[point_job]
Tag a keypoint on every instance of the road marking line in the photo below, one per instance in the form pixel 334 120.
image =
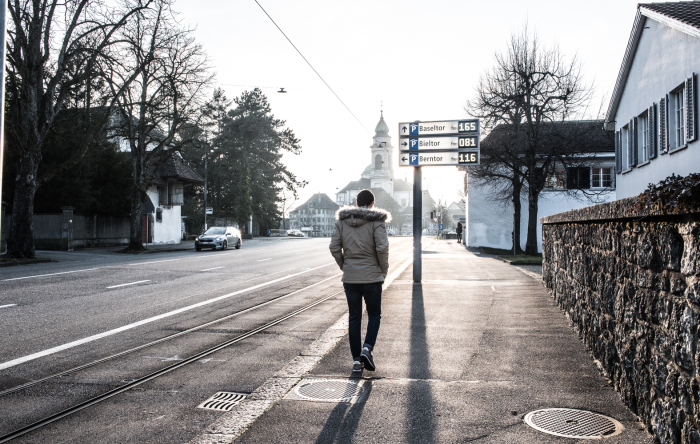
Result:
pixel 8 305
pixel 154 262
pixel 493 288
pixel 105 334
pixel 260 260
pixel 50 274
pixel 209 269
pixel 130 283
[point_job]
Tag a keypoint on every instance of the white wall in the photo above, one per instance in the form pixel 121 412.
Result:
pixel 490 225
pixel 169 231
pixel 665 57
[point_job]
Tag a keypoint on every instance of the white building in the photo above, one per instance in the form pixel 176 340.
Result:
pixel 315 217
pixel 489 222
pixel 654 105
pixel 392 194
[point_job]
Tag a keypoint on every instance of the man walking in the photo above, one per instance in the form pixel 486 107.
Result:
pixel 459 232
pixel 360 246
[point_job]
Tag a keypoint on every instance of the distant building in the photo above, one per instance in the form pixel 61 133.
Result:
pixel 489 222
pixel 654 106
pixel 392 194
pixel 315 217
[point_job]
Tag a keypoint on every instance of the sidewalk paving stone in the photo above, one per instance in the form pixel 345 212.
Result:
pixel 461 358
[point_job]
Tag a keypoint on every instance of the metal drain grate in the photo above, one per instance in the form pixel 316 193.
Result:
pixel 328 390
pixel 222 401
pixel 572 423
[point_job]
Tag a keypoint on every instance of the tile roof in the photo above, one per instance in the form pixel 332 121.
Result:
pixel 173 167
pixel 684 12
pixel 357 185
pixel 319 201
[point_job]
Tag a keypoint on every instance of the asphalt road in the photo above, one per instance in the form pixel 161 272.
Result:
pixel 95 303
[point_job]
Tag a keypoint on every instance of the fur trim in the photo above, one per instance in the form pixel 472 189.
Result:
pixel 370 214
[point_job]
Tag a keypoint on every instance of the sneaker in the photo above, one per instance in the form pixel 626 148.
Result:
pixel 357 366
pixel 367 360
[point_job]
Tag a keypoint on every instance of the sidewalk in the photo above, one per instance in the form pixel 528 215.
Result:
pixel 461 358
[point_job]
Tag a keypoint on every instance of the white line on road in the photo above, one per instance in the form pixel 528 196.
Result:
pixel 260 260
pixel 8 305
pixel 130 283
pixel 154 262
pixel 50 274
pixel 493 288
pixel 209 269
pixel 105 334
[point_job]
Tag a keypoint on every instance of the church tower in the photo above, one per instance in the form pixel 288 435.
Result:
pixel 381 172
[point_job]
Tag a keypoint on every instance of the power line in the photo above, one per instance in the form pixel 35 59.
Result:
pixel 314 69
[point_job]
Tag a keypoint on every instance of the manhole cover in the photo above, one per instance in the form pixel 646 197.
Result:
pixel 572 423
pixel 327 390
pixel 222 401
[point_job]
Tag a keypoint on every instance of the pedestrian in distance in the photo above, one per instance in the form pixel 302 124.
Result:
pixel 459 232
pixel 360 246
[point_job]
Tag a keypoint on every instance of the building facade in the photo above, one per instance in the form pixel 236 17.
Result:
pixel 315 217
pixel 654 106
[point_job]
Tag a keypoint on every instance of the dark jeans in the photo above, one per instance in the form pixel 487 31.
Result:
pixel 373 300
pixel 459 237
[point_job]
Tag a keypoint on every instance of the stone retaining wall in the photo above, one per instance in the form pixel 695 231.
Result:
pixel 630 284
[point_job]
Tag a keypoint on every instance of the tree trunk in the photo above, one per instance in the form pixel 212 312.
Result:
pixel 136 233
pixel 517 214
pixel 532 223
pixel 20 242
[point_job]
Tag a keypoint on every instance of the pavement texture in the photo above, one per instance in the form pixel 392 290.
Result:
pixel 462 357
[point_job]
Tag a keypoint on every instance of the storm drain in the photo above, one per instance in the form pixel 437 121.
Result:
pixel 572 423
pixel 328 390
pixel 222 401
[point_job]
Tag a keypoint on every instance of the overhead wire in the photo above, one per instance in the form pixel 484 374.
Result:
pixel 311 66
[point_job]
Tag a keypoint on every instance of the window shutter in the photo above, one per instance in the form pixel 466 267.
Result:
pixel 632 143
pixel 690 126
pixel 572 178
pixel 651 131
pixel 663 128
pixel 584 178
pixel 618 153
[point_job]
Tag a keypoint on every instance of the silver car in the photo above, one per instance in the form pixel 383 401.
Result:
pixel 218 238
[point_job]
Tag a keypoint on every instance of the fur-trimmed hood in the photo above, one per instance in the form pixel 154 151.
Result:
pixel 368 214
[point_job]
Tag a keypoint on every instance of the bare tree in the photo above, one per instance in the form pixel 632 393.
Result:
pixel 529 88
pixel 54 49
pixel 167 96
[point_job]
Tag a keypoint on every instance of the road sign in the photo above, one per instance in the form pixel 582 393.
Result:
pixel 467 126
pixel 210 211
pixel 439 158
pixel 434 225
pixel 269 231
pixel 439 143
pixel 441 227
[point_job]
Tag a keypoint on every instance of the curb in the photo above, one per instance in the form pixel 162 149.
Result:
pixel 517 263
pixel 27 262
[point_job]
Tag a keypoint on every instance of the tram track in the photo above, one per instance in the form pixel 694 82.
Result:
pixel 194 358
pixel 155 374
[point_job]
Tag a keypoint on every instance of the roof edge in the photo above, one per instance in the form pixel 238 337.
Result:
pixel 632 44
pixel 642 14
pixel 670 22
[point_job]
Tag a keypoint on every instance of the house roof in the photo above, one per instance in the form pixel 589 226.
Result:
pixel 402 185
pixel 588 135
pixel 682 16
pixel 357 185
pixel 174 167
pixel 319 201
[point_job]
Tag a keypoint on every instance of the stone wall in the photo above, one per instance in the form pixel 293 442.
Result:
pixel 630 284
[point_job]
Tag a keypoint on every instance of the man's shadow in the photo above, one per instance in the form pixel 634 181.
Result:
pixel 343 421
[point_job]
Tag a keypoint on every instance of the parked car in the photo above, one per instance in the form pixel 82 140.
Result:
pixel 295 233
pixel 218 238
pixel 390 232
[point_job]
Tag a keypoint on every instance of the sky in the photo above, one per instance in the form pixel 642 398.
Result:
pixel 415 60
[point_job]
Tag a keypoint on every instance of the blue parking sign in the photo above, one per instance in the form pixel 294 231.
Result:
pixel 413 159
